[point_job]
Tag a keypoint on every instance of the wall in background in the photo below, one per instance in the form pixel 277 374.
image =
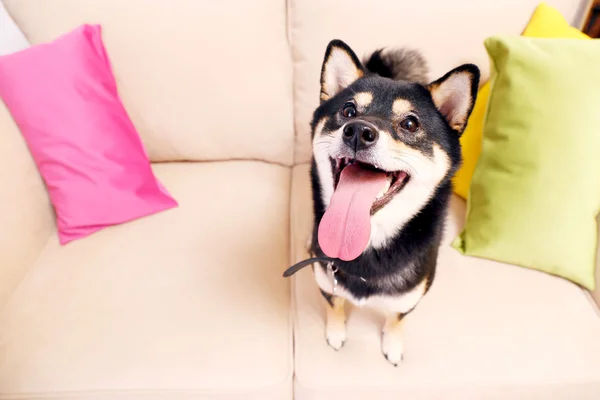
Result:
pixel 11 38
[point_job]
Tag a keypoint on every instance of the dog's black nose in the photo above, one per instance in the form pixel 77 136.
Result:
pixel 359 135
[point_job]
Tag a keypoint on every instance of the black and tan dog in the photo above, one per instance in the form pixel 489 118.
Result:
pixel 385 147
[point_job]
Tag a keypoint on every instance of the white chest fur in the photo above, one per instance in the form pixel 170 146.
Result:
pixel 401 303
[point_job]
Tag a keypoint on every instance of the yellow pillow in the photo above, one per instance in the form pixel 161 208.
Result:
pixel 546 22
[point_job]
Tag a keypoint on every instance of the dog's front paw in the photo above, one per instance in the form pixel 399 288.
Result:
pixel 336 335
pixel 392 348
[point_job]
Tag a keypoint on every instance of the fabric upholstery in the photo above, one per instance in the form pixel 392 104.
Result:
pixel 26 218
pixel 187 304
pixel 201 80
pixel 447 32
pixel 485 330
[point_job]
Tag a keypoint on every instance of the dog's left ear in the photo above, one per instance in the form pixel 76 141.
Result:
pixel 341 67
pixel 454 95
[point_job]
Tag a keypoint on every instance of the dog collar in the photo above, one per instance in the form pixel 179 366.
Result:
pixel 332 269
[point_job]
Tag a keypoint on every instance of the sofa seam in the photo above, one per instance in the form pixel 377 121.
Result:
pixel 290 34
pixel 591 300
pixel 291 340
pixel 294 305
pixel 292 281
pixel 62 394
pixel 234 159
pixel 288 17
pixel 18 24
pixel 33 264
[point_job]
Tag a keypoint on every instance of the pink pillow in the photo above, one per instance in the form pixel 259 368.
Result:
pixel 63 97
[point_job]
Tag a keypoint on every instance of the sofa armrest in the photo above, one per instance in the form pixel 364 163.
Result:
pixel 26 217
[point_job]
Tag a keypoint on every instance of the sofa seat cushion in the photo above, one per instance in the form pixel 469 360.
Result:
pixel 485 330
pixel 185 304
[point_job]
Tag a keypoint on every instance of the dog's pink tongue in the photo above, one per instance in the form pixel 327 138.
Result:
pixel 345 228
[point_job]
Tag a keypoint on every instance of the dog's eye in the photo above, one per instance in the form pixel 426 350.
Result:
pixel 349 111
pixel 410 124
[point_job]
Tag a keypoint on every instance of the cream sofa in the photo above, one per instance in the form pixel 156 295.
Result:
pixel 190 303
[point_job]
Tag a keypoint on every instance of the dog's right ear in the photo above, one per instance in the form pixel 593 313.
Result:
pixel 340 68
pixel 454 95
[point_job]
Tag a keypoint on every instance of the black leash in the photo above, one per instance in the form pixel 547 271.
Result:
pixel 298 266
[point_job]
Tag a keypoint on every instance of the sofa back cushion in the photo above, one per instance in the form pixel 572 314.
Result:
pixel 201 80
pixel 448 33
pixel 26 218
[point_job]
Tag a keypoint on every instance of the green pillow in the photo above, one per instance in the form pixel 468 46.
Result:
pixel 536 188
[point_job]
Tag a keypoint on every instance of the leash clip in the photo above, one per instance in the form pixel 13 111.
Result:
pixel 331 270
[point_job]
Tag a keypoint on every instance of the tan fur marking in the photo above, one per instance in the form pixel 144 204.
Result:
pixel 393 324
pixel 363 99
pixel 401 107
pixel 397 145
pixel 336 322
pixel 391 342
pixel 336 313
pixel 440 158
pixel 320 126
pixel 458 124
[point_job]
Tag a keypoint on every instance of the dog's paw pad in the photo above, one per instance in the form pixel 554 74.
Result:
pixel 336 337
pixel 392 349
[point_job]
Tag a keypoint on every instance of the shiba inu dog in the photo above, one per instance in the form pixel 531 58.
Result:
pixel 385 144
